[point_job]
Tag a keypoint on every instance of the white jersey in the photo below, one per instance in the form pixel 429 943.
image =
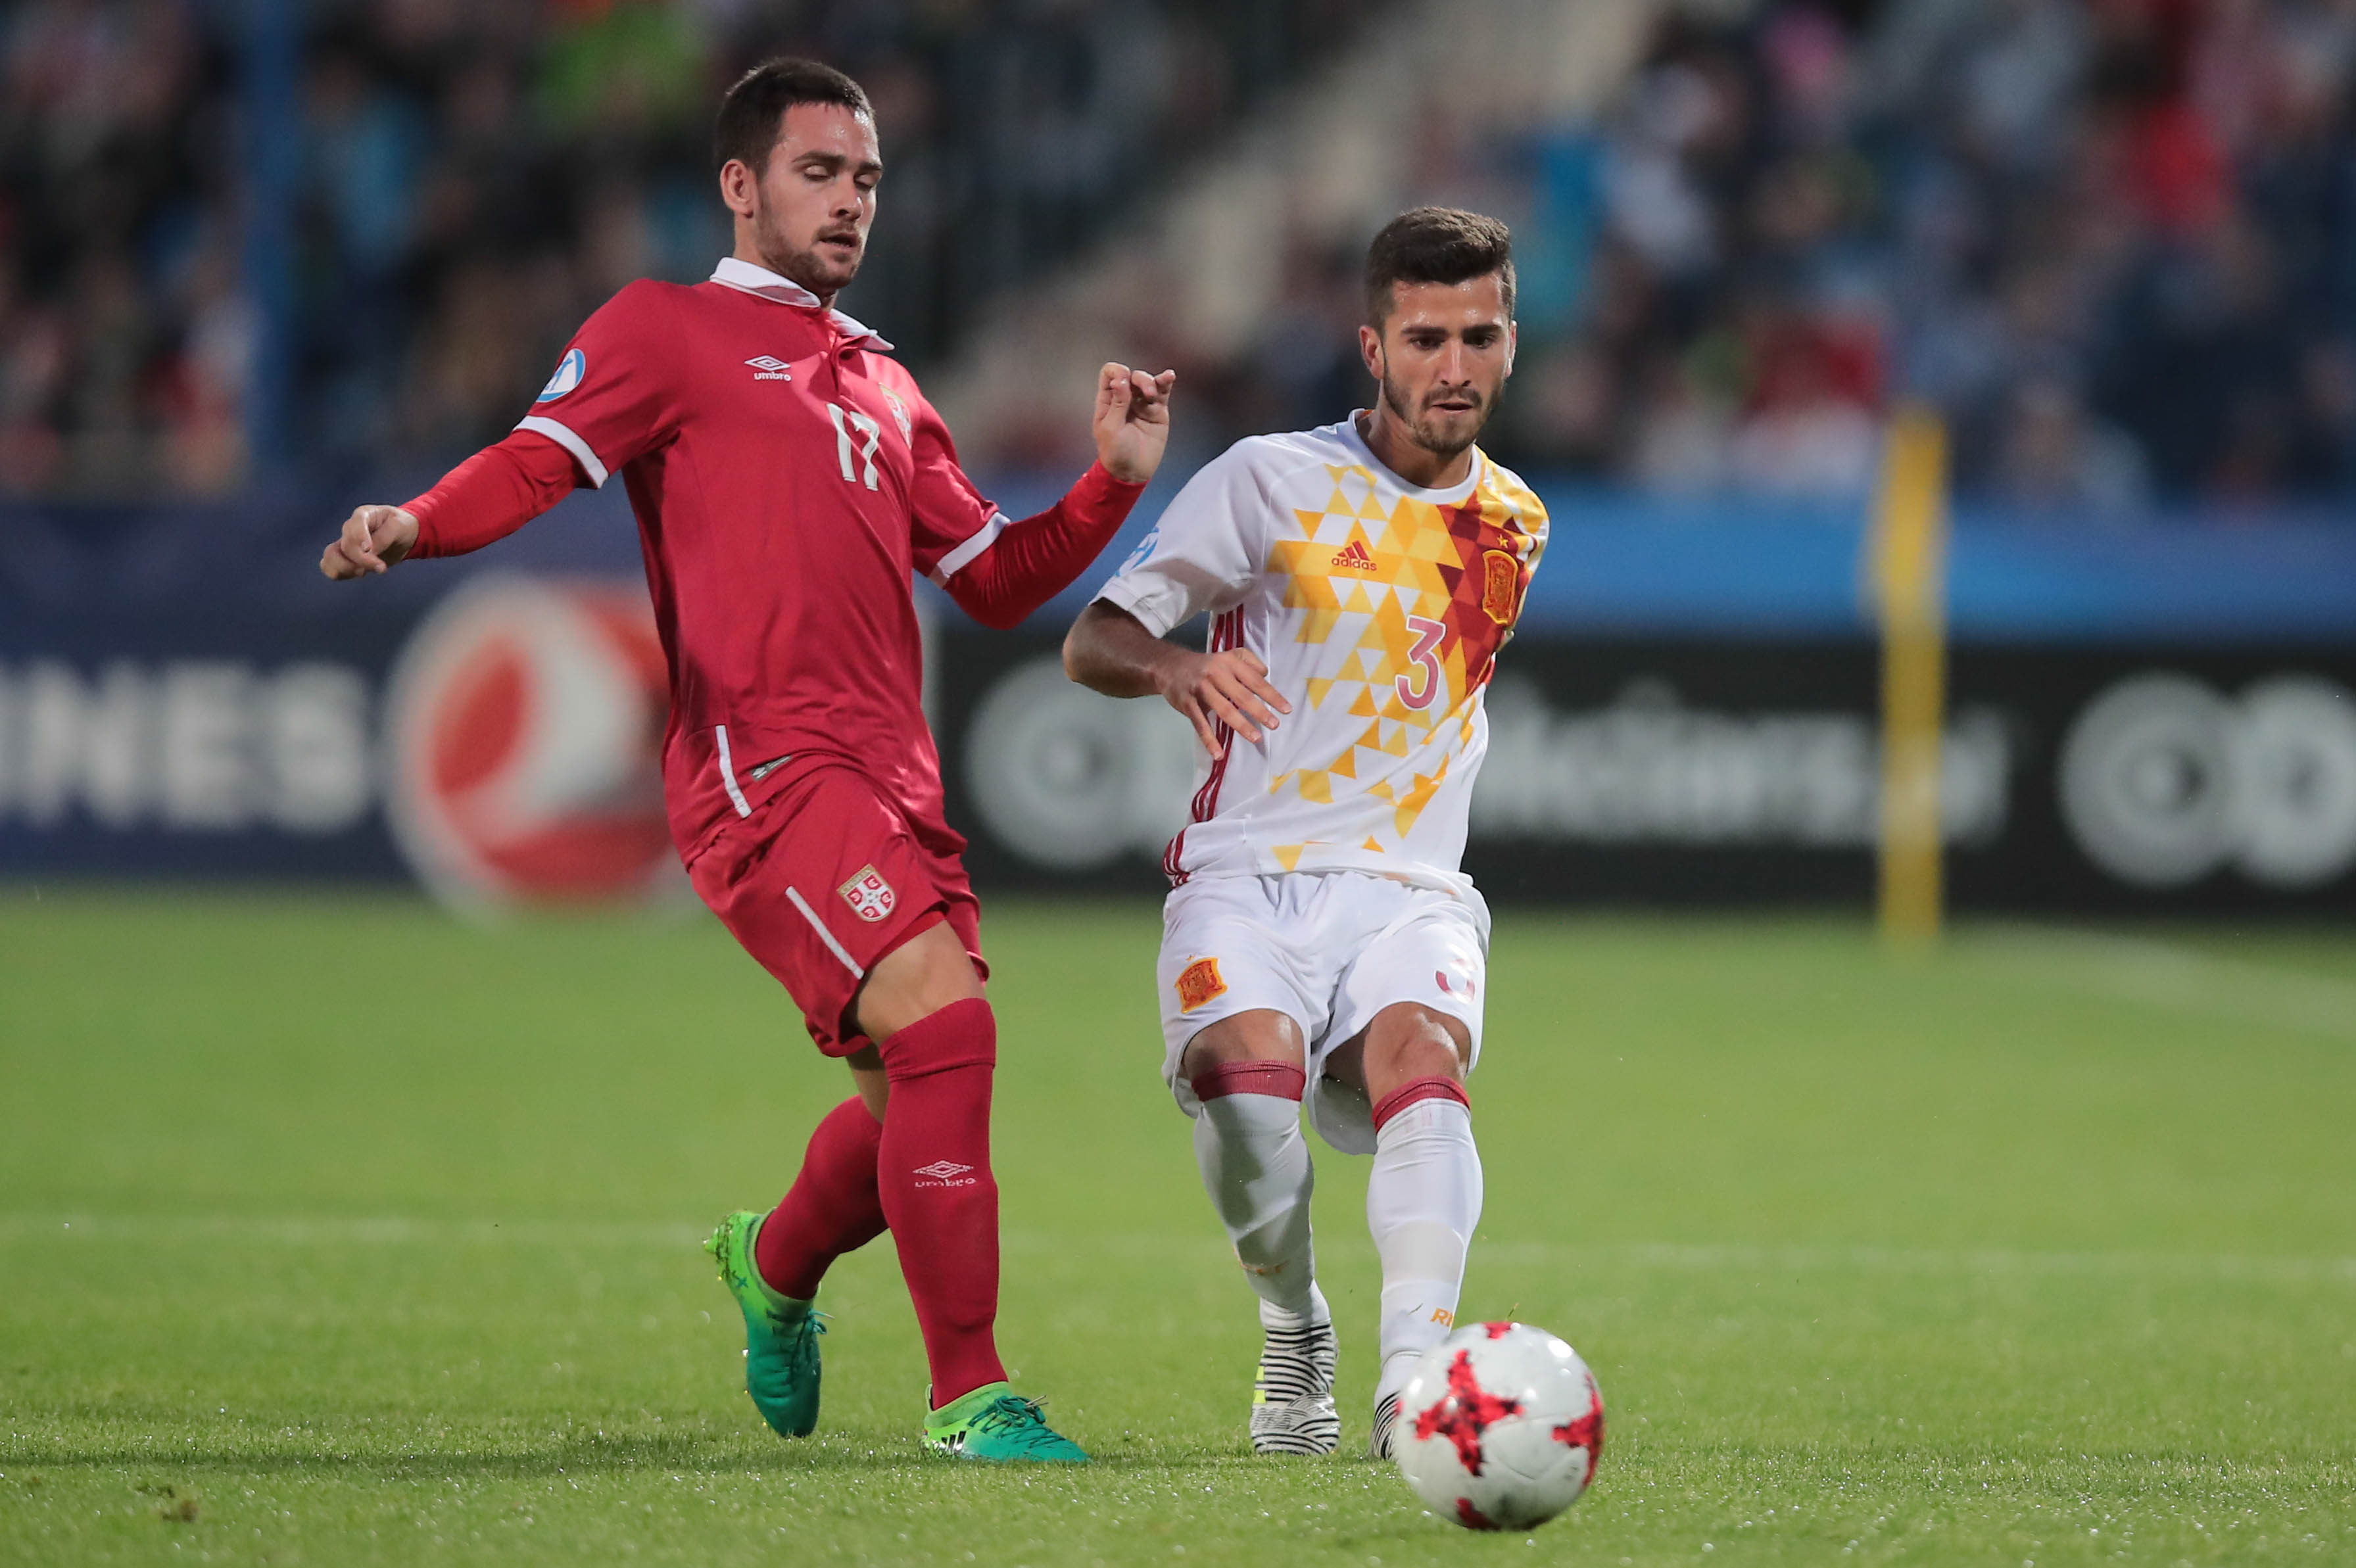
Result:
pixel 1378 609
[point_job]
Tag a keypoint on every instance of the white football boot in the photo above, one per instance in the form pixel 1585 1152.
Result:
pixel 1292 1395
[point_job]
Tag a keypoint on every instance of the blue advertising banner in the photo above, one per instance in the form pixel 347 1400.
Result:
pixel 2156 718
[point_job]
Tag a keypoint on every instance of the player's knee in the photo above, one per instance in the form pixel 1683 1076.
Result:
pixel 1412 1042
pixel 927 973
pixel 1242 1039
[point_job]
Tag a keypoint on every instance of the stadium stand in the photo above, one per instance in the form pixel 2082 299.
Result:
pixel 466 181
pixel 2110 238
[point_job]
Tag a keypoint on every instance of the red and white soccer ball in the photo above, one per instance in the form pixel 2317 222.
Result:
pixel 524 733
pixel 1500 1426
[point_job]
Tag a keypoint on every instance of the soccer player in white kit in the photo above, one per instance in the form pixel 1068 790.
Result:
pixel 1320 941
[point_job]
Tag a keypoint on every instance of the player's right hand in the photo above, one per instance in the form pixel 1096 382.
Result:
pixel 1228 687
pixel 374 539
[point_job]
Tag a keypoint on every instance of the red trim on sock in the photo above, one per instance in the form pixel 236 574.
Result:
pixel 1435 1087
pixel 1282 1080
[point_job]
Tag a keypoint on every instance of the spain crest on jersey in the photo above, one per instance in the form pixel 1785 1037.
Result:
pixel 871 898
pixel 1501 585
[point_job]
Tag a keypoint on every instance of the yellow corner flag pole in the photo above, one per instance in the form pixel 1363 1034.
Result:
pixel 1910 547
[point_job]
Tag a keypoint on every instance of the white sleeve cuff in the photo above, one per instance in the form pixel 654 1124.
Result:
pixel 1127 594
pixel 540 424
pixel 958 560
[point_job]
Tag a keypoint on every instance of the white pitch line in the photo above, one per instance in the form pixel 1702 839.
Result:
pixel 2179 979
pixel 1662 1256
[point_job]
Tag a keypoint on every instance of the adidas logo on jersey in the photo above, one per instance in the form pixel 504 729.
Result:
pixel 768 369
pixel 1355 556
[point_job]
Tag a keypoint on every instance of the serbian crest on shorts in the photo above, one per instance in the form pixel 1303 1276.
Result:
pixel 871 898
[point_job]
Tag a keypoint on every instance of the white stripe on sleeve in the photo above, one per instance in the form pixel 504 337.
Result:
pixel 540 424
pixel 958 560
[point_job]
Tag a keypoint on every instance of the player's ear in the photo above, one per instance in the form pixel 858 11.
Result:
pixel 1513 342
pixel 736 187
pixel 1370 349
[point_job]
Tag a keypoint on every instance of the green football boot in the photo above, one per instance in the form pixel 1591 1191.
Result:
pixel 995 1423
pixel 781 1365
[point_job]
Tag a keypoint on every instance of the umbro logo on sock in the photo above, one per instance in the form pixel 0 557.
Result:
pixel 1353 557
pixel 768 369
pixel 945 1173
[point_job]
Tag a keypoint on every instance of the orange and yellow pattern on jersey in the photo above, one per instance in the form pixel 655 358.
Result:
pixel 1379 609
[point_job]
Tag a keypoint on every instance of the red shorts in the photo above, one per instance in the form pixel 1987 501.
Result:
pixel 822 880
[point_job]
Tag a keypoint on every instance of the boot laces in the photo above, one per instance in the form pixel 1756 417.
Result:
pixel 1018 1417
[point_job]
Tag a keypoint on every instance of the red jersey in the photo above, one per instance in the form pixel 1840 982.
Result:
pixel 788 479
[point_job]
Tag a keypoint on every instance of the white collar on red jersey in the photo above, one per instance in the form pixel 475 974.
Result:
pixel 747 277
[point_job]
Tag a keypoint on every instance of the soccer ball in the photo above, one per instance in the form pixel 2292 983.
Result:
pixel 1500 1426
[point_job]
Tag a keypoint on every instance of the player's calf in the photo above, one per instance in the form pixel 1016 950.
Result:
pixel 1246 1075
pixel 1423 1196
pixel 938 1195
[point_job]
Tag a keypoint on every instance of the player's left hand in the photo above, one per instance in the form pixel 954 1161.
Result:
pixel 1132 422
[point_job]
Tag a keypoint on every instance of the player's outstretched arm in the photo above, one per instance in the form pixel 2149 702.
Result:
pixel 1039 557
pixel 1109 650
pixel 487 497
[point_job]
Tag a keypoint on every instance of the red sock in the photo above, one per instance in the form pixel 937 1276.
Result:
pixel 938 1194
pixel 833 1208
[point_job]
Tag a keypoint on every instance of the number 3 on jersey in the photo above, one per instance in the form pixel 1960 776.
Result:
pixel 870 432
pixel 1425 656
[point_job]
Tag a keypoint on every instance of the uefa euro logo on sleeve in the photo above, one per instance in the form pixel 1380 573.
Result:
pixel 569 371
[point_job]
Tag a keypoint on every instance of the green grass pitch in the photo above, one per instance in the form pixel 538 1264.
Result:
pixel 332 1232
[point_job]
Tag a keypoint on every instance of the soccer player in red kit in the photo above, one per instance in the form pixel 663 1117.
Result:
pixel 788 479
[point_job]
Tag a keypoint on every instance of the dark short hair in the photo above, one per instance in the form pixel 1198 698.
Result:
pixel 752 116
pixel 1436 245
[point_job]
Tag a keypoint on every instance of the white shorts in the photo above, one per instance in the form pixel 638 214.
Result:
pixel 1328 949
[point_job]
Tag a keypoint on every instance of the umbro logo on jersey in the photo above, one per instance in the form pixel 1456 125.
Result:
pixel 1355 556
pixel 768 369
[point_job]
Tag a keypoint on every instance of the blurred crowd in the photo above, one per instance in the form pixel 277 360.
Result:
pixel 2114 240
pixel 466 179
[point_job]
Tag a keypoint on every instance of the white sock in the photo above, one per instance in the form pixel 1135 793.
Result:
pixel 1422 1201
pixel 1255 1167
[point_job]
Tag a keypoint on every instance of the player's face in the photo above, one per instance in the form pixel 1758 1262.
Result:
pixel 810 208
pixel 1442 356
